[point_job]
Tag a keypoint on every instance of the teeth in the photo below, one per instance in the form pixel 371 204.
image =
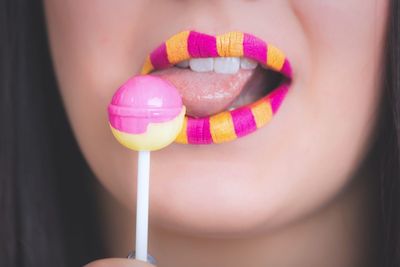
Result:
pixel 248 64
pixel 202 64
pixel 227 65
pixel 183 64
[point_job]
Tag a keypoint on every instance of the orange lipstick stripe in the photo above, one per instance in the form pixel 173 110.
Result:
pixel 177 47
pixel 230 44
pixel 275 58
pixel 262 112
pixel 147 67
pixel 222 128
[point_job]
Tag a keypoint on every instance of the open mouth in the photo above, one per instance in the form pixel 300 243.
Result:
pixel 231 84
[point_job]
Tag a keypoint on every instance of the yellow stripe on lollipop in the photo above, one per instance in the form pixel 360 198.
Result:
pixel 157 135
pixel 182 136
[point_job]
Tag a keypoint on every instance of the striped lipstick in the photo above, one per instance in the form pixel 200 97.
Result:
pixel 227 125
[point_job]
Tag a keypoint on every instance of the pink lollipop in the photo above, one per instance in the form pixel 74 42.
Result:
pixel 145 114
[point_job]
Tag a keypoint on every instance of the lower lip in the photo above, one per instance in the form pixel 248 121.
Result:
pixel 229 125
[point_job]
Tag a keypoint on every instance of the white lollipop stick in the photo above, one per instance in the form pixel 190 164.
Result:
pixel 142 205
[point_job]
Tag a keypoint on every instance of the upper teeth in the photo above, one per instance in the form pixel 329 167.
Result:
pixel 227 65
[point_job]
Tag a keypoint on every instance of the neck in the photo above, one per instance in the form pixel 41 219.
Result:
pixel 339 234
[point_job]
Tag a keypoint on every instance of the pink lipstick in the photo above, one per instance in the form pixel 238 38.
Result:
pixel 231 84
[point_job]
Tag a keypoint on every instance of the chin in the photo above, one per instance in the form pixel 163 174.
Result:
pixel 215 191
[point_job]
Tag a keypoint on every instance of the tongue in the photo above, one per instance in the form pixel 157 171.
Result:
pixel 206 93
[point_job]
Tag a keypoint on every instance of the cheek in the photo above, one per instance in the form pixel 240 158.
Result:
pixel 90 53
pixel 342 90
pixel 337 102
pixel 342 93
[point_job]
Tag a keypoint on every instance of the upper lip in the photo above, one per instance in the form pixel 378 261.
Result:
pixel 192 44
pixel 211 93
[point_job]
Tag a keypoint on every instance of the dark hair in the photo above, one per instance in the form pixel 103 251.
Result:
pixel 47 207
pixel 48 215
pixel 387 147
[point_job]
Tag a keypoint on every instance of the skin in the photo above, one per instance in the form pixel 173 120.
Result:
pixel 295 193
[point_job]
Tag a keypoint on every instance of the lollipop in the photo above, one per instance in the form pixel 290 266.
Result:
pixel 145 114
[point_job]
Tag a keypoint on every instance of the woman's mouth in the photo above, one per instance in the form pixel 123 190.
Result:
pixel 231 84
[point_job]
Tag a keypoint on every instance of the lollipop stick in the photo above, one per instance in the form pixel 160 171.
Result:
pixel 142 205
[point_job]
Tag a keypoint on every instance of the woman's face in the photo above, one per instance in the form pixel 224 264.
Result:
pixel 297 163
